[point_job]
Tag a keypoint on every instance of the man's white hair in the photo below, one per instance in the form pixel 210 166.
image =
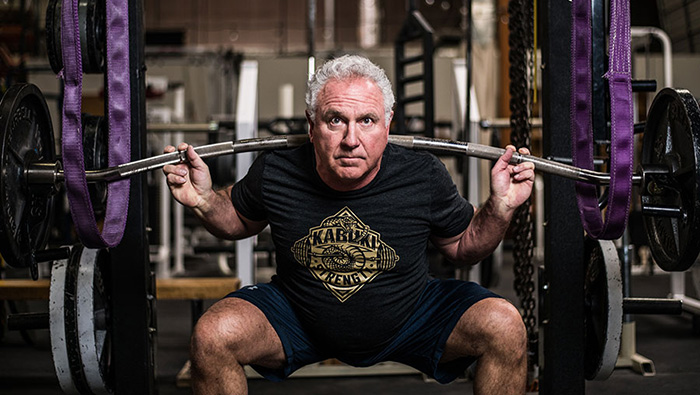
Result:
pixel 346 67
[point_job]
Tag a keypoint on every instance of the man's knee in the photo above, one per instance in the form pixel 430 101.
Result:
pixel 503 327
pixel 235 329
pixel 214 333
pixel 492 324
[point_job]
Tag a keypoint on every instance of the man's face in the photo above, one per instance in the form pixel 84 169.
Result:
pixel 350 133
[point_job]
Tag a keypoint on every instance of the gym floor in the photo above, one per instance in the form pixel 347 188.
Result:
pixel 667 340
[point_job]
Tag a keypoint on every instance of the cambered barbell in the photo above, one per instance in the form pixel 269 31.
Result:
pixel 669 175
pixel 52 173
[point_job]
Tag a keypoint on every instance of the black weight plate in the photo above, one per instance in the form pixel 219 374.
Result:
pixel 222 168
pixel 672 139
pixel 53 35
pixel 603 310
pixel 26 136
pixel 96 157
pixel 92 35
pixel 91 14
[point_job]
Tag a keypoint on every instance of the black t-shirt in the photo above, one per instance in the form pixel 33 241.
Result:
pixel 352 264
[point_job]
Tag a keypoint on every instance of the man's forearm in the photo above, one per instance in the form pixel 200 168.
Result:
pixel 485 231
pixel 218 215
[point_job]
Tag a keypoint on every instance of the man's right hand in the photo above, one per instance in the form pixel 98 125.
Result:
pixel 190 183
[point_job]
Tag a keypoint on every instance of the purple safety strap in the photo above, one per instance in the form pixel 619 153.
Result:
pixel 621 151
pixel 119 119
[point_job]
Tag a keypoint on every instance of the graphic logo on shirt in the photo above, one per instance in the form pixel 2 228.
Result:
pixel 344 254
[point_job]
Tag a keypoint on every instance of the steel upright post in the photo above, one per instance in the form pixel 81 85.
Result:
pixel 561 315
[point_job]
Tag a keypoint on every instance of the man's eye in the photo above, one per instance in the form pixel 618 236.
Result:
pixel 335 121
pixel 367 121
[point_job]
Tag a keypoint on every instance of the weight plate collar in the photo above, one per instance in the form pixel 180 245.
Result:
pixel 26 136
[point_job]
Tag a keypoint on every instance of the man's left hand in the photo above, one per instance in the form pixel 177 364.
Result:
pixel 511 185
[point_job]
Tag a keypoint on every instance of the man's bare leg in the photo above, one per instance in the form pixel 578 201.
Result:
pixel 492 330
pixel 231 334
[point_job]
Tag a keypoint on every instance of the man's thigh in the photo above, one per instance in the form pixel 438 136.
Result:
pixel 292 345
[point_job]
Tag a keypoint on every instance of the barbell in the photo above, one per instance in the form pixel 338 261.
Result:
pixel 668 177
pixel 52 173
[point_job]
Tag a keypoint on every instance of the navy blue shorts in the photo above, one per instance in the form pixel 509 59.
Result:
pixel 419 344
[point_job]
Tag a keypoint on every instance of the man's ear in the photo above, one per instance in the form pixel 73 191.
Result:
pixel 311 125
pixel 388 122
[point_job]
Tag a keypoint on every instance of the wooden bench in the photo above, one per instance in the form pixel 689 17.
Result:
pixel 194 289
pixel 20 289
pixel 185 288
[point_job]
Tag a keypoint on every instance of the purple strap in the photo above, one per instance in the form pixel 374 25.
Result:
pixel 619 80
pixel 118 96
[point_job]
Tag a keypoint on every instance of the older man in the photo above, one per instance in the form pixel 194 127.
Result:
pixel 351 218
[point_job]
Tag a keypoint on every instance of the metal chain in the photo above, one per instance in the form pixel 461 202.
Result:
pixel 520 40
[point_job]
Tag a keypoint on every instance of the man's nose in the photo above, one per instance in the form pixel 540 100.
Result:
pixel 351 139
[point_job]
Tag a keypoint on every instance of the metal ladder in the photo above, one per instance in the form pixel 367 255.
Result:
pixel 415 28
